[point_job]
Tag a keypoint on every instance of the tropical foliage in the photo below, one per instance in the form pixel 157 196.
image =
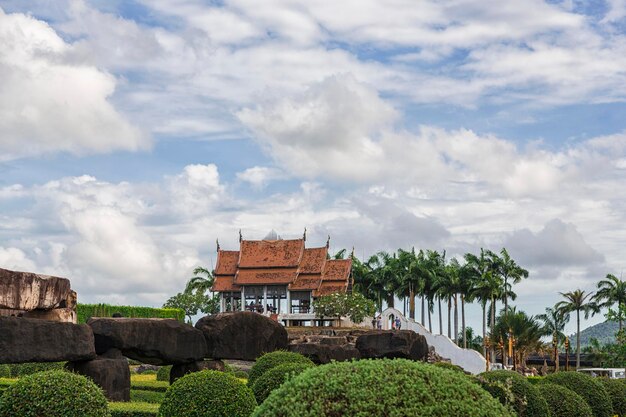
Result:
pixel 354 306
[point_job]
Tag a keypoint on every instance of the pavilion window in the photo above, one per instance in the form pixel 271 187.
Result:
pixel 254 298
pixel 276 299
pixel 300 302
pixel 232 301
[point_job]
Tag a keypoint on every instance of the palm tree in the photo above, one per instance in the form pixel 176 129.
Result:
pixel 525 330
pixel 554 321
pixel 612 291
pixel 473 341
pixel 200 283
pixel 367 279
pixel 510 271
pixel 577 301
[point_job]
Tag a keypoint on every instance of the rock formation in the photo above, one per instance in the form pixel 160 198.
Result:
pixel 392 344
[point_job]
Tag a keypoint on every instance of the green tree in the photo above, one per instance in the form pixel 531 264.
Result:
pixel 510 272
pixel 577 301
pixel 354 306
pixel 193 301
pixel 611 291
pixel 202 280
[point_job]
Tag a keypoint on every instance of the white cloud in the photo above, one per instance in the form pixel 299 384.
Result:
pixel 258 176
pixel 49 104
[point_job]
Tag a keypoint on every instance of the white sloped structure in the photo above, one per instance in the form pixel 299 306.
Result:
pixel 468 359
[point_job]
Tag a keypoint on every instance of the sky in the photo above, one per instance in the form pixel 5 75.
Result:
pixel 135 133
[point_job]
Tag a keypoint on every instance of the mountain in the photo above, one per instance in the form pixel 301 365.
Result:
pixel 604 332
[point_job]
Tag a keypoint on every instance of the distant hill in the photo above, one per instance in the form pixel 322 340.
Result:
pixel 604 332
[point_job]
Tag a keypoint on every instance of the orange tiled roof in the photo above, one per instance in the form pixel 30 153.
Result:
pixel 227 262
pixel 306 282
pixel 313 260
pixel 265 276
pixel 330 287
pixel 337 270
pixel 271 253
pixel 224 283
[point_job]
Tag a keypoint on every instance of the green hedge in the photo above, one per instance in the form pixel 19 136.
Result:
pixel 447 365
pixel 134 409
pixel 534 379
pixel 382 387
pixel 86 311
pixel 275 377
pixel 564 402
pixel 163 373
pixel 159 386
pixel 587 387
pixel 5 371
pixel 53 393
pixel 512 388
pixel 272 359
pixel 208 394
pixel 617 391
pixel 23 369
pixel 143 396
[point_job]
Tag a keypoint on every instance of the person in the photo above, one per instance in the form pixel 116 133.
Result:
pixel 374 323
pixel 398 323
pixel 379 323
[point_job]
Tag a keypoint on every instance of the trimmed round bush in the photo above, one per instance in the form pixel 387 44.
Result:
pixel 512 388
pixel 447 365
pixel 563 402
pixel 587 387
pixel 208 394
pixel 52 394
pixel 22 369
pixel 383 387
pixel 617 391
pixel 5 371
pixel 163 374
pixel 273 359
pixel 275 377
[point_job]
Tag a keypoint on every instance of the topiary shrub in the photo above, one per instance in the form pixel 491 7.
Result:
pixel 272 359
pixel 275 377
pixel 587 387
pixel 534 379
pixel 163 374
pixel 617 391
pixel 382 387
pixel 208 394
pixel 563 402
pixel 54 393
pixel 5 371
pixel 511 388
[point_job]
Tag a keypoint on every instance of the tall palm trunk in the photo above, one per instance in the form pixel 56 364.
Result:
pixel 463 321
pixel 430 323
pixel 449 318
pixel 491 327
pixel 456 320
pixel 506 301
pixel 577 339
pixel 619 314
pixel 390 299
pixel 411 303
pixel 423 311
pixel 440 322
pixel 484 327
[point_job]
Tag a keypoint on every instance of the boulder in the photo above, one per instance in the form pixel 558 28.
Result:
pixel 29 291
pixel 392 344
pixel 112 375
pixel 32 340
pixel 241 335
pixel 146 367
pixel 322 353
pixel 178 371
pixel 153 341
pixel 62 315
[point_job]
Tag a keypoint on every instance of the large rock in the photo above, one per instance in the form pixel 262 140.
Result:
pixel 241 335
pixel 110 374
pixel 178 371
pixel 325 353
pixel 28 291
pixel 31 340
pixel 63 315
pixel 154 341
pixel 392 344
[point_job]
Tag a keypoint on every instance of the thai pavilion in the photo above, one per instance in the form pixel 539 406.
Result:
pixel 277 277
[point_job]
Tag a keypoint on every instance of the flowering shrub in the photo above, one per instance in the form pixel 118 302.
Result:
pixel 355 306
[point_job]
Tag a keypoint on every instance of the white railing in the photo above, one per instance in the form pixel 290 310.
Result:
pixel 468 359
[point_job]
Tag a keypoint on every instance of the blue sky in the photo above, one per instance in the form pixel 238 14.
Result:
pixel 135 133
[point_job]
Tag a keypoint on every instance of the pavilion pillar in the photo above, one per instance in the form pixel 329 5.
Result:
pixel 265 298
pixel 243 299
pixel 288 302
pixel 222 303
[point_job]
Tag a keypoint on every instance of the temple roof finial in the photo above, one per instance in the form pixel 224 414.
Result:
pixel 328 242
pixel 304 235
pixel 352 254
pixel 240 236
pixel 217 241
